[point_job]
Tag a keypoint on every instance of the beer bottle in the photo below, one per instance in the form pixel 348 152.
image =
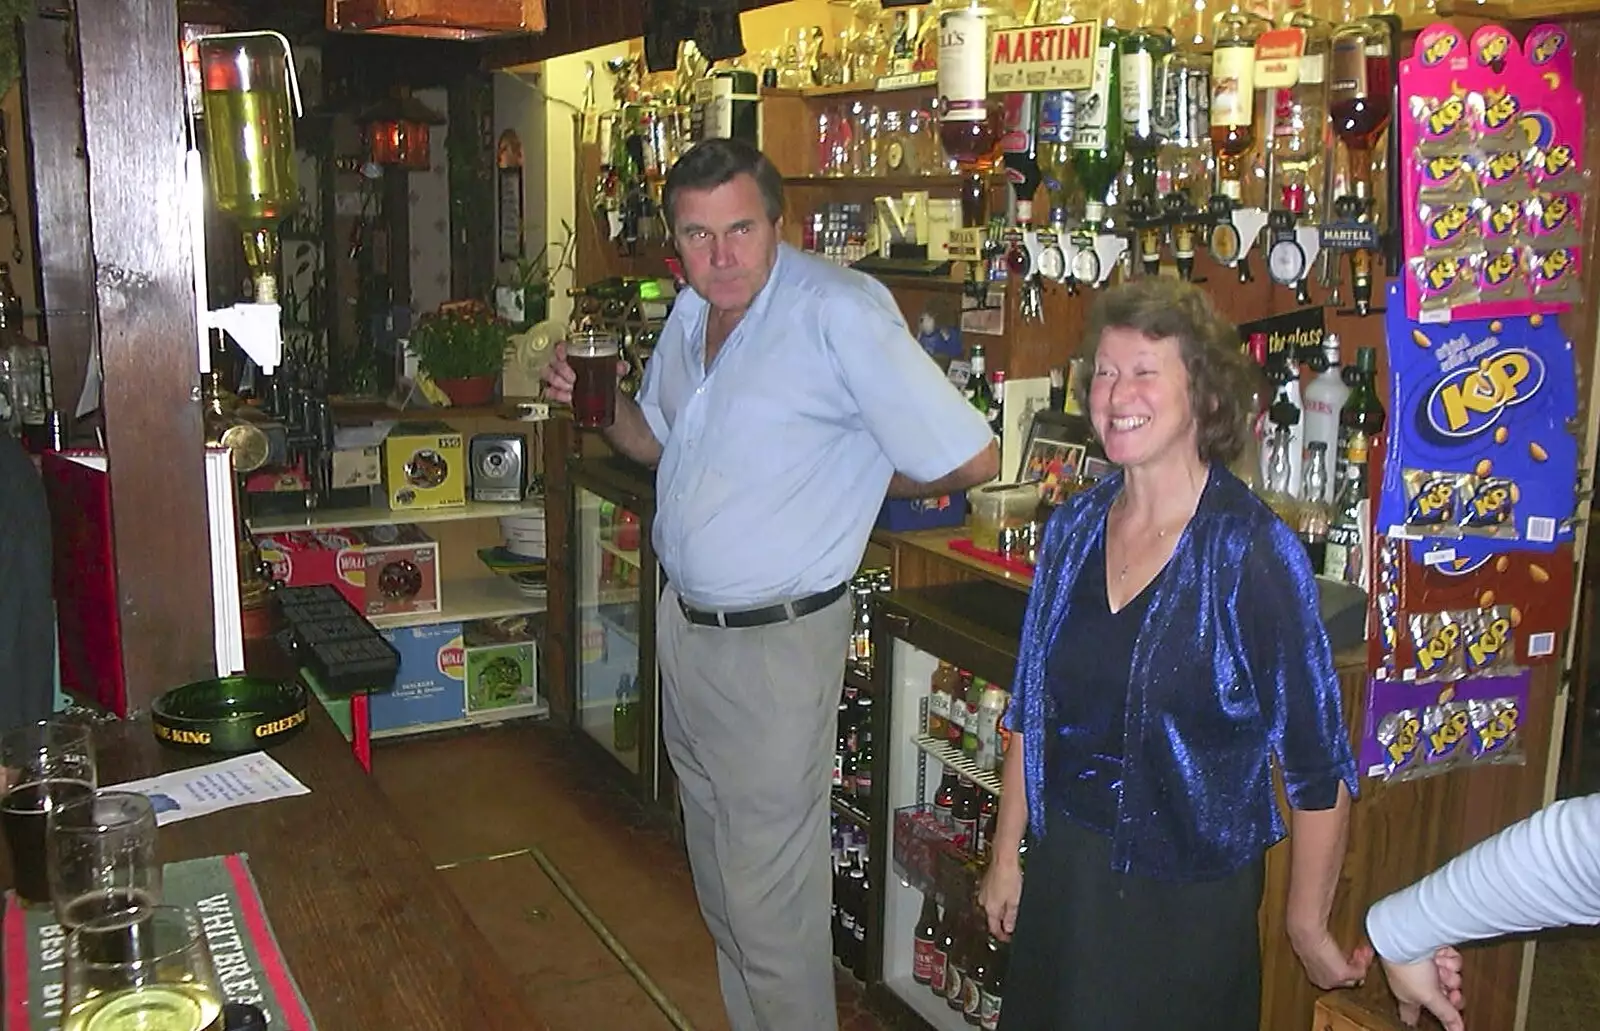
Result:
pixel 979 393
pixel 972 988
pixel 958 964
pixel 965 816
pixel 924 942
pixel 857 946
pixel 993 985
pixel 942 949
pixel 844 920
pixel 944 800
pixel 864 771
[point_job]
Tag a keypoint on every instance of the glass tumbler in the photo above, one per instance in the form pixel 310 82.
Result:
pixel 42 767
pixel 142 968
pixel 101 853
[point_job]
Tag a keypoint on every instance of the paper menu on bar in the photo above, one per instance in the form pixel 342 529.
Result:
pixel 198 790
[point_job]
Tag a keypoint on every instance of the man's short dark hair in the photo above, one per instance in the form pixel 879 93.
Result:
pixel 713 162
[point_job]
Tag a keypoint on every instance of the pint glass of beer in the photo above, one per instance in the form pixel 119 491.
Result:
pixel 42 767
pixel 593 356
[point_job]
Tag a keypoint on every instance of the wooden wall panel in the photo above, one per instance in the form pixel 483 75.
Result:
pixel 133 115
pixel 558 447
pixel 1584 326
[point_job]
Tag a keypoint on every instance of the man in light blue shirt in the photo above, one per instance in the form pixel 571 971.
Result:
pixel 784 398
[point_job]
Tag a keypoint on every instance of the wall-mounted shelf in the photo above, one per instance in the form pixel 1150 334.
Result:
pixel 875 182
pixel 467 599
pixel 331 518
pixel 884 84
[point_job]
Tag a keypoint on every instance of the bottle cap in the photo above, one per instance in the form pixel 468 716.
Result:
pixel 240 1016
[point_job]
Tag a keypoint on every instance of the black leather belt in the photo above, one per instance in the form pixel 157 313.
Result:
pixel 765 615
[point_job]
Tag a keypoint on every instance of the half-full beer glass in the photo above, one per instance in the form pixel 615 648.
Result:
pixel 593 356
pixel 42 767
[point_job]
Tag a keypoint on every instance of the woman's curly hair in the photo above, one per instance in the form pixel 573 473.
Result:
pixel 1219 373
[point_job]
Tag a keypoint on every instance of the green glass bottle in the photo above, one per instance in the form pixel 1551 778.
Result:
pixel 1097 150
pixel 1140 51
pixel 1362 412
pixel 625 719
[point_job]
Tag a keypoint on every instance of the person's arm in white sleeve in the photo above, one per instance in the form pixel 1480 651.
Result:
pixel 1542 872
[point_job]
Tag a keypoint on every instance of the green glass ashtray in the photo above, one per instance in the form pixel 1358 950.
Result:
pixel 229 714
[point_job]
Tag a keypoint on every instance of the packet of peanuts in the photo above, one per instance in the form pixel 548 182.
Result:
pixel 1531 590
pixel 1422 730
pixel 1479 448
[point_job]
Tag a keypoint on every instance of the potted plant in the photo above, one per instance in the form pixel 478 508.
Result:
pixel 462 348
pixel 524 293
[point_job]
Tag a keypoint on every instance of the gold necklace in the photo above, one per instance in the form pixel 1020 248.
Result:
pixel 1160 535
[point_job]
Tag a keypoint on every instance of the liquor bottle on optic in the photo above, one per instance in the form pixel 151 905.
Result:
pixel 1183 120
pixel 1057 118
pixel 969 125
pixel 1141 49
pixel 1233 92
pixel 1019 149
pixel 1360 104
pixel 1300 119
pixel 1097 150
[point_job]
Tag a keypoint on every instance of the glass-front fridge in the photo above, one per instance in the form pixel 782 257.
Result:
pixel 616 586
pixel 944 660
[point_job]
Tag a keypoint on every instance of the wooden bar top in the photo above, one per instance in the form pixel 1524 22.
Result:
pixel 923 557
pixel 370 930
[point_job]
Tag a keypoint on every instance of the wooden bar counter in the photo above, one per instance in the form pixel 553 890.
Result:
pixel 370 931
pixel 1398 832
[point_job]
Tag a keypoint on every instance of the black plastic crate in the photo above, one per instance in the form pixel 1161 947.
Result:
pixel 350 667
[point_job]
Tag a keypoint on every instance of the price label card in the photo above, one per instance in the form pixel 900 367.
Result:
pixel 1278 54
pixel 1043 57
pixel 965 244
pixel 906 80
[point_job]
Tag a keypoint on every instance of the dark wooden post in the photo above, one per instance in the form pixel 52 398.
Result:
pixel 60 178
pixel 133 119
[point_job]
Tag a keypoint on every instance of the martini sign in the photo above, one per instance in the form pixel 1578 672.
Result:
pixel 1043 57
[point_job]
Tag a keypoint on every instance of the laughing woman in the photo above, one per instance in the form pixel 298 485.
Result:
pixel 1172 654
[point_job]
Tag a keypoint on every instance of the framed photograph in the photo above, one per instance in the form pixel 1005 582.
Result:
pixel 1056 456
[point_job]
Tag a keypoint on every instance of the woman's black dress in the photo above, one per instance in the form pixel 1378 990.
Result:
pixel 1098 950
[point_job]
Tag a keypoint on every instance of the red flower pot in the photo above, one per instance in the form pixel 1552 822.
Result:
pixel 476 390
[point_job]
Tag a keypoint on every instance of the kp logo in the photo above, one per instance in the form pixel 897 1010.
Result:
pixel 1471 400
pixel 1439 48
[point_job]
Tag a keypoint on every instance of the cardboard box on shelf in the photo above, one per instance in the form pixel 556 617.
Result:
pixel 502 660
pixel 402 574
pixel 431 685
pixel 381 570
pixel 425 466
pixel 357 467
